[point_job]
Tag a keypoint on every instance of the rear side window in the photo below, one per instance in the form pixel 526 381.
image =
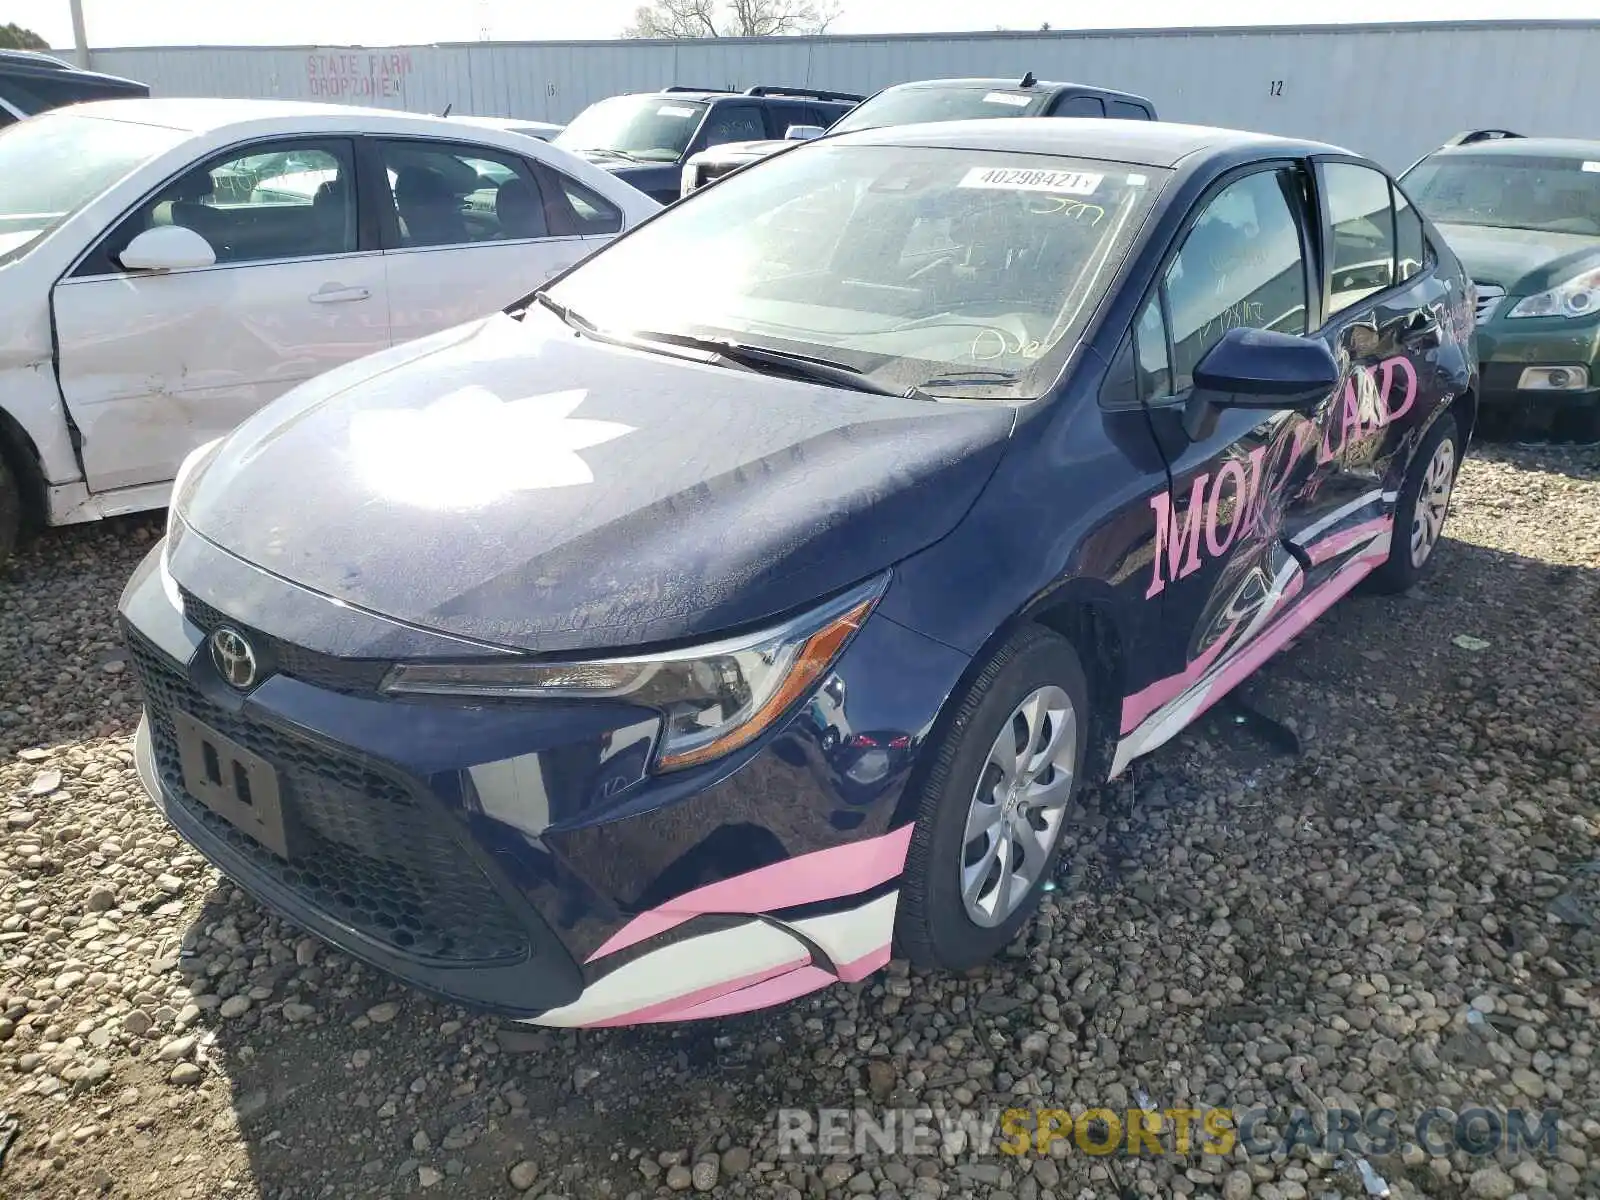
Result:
pixel 1362 215
pixel 595 214
pixel 1126 110
pixel 1410 251
pixel 1080 106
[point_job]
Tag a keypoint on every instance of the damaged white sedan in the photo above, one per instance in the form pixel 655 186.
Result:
pixel 169 266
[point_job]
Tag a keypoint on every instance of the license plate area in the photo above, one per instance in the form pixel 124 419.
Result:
pixel 240 787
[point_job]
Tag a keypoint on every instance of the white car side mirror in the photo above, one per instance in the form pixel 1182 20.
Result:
pixel 803 133
pixel 167 248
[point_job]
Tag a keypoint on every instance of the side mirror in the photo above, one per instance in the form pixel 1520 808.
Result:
pixel 1257 368
pixel 803 133
pixel 167 248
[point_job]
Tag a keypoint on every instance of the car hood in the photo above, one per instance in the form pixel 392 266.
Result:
pixel 731 151
pixel 512 483
pixel 1523 261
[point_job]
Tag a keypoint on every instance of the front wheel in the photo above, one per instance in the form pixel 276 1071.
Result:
pixel 996 804
pixel 1422 507
pixel 10 510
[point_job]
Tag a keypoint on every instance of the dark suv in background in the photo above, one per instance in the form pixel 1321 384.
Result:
pixel 939 100
pixel 31 82
pixel 1523 215
pixel 644 138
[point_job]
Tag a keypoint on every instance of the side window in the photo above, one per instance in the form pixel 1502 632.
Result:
pixel 1410 254
pixel 1362 216
pixel 447 194
pixel 293 199
pixel 1241 265
pixel 734 123
pixel 1150 352
pixel 1126 110
pixel 1080 106
pixel 593 212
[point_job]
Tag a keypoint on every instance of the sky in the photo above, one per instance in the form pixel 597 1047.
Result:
pixel 407 22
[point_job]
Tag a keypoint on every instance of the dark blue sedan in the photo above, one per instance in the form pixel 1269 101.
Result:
pixel 756 601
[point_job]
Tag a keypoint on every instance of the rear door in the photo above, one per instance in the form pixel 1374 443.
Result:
pixel 1225 566
pixel 466 230
pixel 1387 314
pixel 152 365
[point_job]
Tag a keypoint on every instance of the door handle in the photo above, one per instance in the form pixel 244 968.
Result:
pixel 335 294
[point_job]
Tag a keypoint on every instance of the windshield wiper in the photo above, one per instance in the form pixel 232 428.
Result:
pixel 728 353
pixel 817 370
pixel 561 310
pixel 623 154
pixel 976 378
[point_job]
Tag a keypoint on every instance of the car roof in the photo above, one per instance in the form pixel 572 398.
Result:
pixel 199 116
pixel 1146 143
pixel 1541 147
pixel 1014 84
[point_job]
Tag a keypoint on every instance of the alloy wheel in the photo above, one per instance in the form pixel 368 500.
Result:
pixel 1018 807
pixel 1433 502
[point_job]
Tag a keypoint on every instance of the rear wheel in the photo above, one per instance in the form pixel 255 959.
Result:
pixel 1422 507
pixel 996 804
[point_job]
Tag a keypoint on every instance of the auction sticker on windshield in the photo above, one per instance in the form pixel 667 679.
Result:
pixel 1006 98
pixel 1591 166
pixel 674 110
pixel 1021 179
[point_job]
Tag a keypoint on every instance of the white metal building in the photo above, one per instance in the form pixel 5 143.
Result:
pixel 1391 91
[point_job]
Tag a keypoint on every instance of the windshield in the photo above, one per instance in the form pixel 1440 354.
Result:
pixel 916 105
pixel 650 128
pixel 965 272
pixel 52 165
pixel 1502 191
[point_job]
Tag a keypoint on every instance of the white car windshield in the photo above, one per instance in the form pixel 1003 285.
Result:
pixel 54 164
pixel 963 272
pixel 646 128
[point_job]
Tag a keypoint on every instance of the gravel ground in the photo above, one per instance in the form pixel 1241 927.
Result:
pixel 1234 927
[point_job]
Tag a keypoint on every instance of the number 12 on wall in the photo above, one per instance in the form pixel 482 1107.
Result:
pixel 1275 88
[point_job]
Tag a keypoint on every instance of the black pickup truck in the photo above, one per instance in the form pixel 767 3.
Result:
pixel 31 82
pixel 939 100
pixel 645 138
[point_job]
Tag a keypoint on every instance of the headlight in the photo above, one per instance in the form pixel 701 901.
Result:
pixel 1577 297
pixel 188 470
pixel 714 698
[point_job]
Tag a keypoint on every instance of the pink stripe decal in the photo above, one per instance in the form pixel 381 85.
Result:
pixel 774 990
pixel 821 875
pixel 1338 543
pixel 1138 707
pixel 1317 601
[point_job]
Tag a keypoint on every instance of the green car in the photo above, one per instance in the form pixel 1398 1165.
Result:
pixel 1523 215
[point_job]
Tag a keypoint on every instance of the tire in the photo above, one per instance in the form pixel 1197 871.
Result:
pixel 1408 558
pixel 10 510
pixel 934 926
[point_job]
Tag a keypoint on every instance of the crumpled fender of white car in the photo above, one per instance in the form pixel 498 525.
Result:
pixel 31 407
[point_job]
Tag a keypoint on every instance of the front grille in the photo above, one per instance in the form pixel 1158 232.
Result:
pixel 348 675
pixel 370 854
pixel 1489 297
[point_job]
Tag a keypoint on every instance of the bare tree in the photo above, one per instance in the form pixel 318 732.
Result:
pixel 731 18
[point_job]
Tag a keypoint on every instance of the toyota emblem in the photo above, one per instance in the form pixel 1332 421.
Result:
pixel 234 659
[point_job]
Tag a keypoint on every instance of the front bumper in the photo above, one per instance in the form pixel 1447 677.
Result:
pixel 1507 348
pixel 519 858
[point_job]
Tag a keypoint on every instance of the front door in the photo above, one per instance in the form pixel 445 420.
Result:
pixel 1242 489
pixel 468 229
pixel 154 364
